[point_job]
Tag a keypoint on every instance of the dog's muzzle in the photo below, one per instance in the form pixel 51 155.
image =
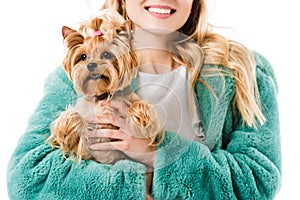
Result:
pixel 94 75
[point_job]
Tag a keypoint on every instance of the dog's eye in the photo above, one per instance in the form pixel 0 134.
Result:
pixel 106 55
pixel 83 57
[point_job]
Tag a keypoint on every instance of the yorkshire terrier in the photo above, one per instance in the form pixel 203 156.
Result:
pixel 101 63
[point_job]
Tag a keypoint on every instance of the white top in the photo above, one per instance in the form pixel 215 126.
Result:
pixel 169 92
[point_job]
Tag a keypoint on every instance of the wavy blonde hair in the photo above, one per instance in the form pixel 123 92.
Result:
pixel 217 50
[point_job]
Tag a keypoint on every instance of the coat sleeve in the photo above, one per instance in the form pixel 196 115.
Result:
pixel 246 166
pixel 36 171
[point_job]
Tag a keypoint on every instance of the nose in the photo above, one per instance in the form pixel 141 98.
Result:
pixel 92 66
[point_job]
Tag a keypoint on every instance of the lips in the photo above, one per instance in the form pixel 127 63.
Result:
pixel 160 10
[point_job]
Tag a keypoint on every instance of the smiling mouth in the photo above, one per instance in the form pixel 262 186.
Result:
pixel 160 10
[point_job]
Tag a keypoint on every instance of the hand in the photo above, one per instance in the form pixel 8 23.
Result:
pixel 125 138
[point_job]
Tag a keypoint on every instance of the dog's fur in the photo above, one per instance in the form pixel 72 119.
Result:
pixel 101 66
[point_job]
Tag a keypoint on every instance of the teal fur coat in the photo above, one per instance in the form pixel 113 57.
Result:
pixel 234 162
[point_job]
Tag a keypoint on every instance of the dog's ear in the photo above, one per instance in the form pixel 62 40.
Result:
pixel 67 31
pixel 72 40
pixel 71 37
pixel 127 26
pixel 125 29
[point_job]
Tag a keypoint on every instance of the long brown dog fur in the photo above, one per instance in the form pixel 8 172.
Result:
pixel 101 66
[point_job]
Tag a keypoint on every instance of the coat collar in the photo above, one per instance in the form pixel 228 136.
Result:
pixel 214 94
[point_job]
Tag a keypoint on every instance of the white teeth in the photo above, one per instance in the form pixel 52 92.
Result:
pixel 159 10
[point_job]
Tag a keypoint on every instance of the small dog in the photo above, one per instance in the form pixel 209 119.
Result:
pixel 101 63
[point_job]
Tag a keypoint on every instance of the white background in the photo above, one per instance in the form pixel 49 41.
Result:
pixel 31 47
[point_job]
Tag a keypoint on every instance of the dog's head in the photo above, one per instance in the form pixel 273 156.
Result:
pixel 100 59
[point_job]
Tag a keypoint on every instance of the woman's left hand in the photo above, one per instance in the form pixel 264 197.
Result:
pixel 137 148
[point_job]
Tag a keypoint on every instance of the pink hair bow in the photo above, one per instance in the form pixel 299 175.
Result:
pixel 98 33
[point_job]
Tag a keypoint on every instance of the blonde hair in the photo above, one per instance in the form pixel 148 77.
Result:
pixel 217 50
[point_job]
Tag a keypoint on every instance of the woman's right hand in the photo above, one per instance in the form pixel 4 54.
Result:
pixel 122 139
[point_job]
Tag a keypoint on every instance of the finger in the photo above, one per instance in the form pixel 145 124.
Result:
pixel 117 104
pixel 93 121
pixel 94 127
pixel 107 146
pixel 114 120
pixel 105 119
pixel 108 133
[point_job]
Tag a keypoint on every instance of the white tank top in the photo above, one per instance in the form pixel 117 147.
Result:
pixel 169 92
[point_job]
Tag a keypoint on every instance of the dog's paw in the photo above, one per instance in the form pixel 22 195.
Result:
pixel 145 118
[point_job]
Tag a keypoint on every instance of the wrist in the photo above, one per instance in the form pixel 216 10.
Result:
pixel 147 159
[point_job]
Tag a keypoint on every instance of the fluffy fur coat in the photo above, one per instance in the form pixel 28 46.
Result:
pixel 235 161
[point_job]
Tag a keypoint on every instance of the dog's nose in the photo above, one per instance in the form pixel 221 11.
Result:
pixel 92 66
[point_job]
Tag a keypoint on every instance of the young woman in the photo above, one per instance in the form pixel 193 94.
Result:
pixel 218 102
